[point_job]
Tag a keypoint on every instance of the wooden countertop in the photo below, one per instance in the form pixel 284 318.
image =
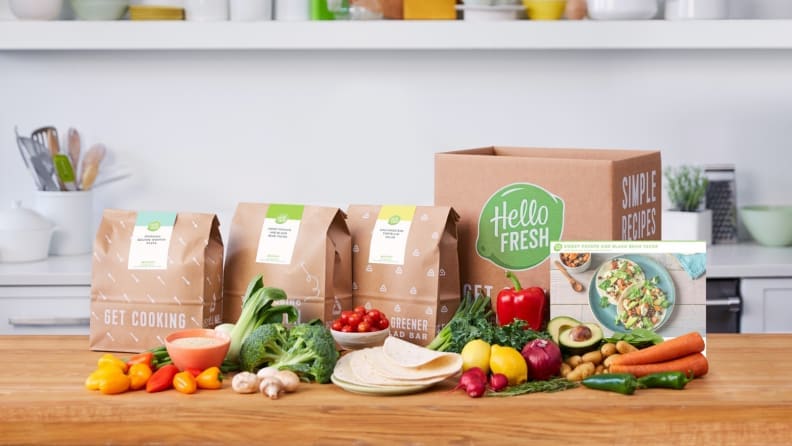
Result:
pixel 746 398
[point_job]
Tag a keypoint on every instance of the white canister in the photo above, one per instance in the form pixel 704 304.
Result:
pixel 292 10
pixel 206 10
pixel 696 9
pixel 72 214
pixel 251 10
pixel 24 235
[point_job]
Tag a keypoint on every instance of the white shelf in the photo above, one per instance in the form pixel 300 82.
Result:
pixel 397 35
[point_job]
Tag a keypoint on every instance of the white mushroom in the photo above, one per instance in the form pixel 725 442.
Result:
pixel 245 382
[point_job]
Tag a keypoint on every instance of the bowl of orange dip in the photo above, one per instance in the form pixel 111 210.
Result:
pixel 197 348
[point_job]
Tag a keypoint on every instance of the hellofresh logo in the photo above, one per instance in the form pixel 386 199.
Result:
pixel 517 224
pixel 154 226
pixel 394 220
pixel 281 219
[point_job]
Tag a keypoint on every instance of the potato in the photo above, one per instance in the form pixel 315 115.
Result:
pixel 594 357
pixel 575 375
pixel 599 370
pixel 565 369
pixel 586 369
pixel 608 349
pixel 609 360
pixel 625 347
pixel 574 361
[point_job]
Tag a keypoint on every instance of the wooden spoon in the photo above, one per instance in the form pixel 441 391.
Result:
pixel 577 286
pixel 90 165
pixel 73 147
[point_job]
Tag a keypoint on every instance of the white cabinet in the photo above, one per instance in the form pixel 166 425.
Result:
pixel 767 305
pixel 44 309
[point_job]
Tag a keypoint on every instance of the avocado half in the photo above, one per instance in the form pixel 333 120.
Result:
pixel 557 324
pixel 580 338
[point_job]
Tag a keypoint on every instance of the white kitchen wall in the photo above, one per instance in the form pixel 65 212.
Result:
pixel 204 130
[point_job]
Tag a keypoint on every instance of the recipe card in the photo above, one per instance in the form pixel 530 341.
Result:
pixel 629 285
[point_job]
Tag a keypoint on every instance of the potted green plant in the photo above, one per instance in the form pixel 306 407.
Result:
pixel 687 219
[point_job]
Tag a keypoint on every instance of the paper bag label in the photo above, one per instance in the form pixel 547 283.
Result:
pixel 279 234
pixel 151 239
pixel 517 224
pixel 389 238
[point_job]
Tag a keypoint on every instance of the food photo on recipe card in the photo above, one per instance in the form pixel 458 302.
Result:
pixel 629 285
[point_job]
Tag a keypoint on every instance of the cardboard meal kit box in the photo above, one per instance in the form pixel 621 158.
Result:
pixel 514 201
pixel 627 285
pixel 405 263
pixel 305 250
pixel 154 273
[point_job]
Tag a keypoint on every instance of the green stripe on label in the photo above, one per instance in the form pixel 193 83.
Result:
pixel 155 220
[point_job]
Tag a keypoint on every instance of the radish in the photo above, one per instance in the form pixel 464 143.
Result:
pixel 474 381
pixel 498 382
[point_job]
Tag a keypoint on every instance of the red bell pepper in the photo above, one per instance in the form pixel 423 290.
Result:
pixel 141 358
pixel 162 379
pixel 527 304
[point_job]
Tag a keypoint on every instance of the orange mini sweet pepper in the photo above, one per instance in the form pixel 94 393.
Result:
pixel 210 378
pixel 184 382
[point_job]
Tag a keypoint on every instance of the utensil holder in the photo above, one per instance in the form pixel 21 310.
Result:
pixel 71 212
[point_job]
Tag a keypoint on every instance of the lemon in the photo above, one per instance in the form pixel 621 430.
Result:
pixel 510 362
pixel 476 353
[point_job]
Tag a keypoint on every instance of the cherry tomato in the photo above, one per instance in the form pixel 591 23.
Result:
pixel 345 316
pixel 383 324
pixel 369 320
pixel 346 328
pixel 337 325
pixel 354 319
pixel 361 310
pixel 363 327
pixel 375 315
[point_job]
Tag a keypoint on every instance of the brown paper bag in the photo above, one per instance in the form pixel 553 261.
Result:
pixel 305 250
pixel 152 276
pixel 405 263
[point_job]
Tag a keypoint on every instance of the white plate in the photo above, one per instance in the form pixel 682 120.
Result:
pixel 380 390
pixel 490 13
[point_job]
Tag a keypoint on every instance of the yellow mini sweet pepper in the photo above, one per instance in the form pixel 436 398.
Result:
pixel 109 360
pixel 139 375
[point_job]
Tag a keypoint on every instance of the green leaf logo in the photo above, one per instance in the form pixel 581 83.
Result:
pixel 557 247
pixel 517 224
pixel 154 226
pixel 394 220
pixel 281 219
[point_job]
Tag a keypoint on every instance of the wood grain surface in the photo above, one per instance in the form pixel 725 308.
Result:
pixel 745 399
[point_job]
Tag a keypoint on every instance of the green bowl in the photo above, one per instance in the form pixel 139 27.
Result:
pixel 768 225
pixel 99 9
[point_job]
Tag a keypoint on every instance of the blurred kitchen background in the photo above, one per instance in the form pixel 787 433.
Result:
pixel 201 130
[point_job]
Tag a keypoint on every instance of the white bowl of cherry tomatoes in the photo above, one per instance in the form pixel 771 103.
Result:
pixel 360 328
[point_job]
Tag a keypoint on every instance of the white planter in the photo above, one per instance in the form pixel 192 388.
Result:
pixel 687 225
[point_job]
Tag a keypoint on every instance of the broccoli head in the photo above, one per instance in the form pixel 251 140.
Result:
pixel 264 346
pixel 310 353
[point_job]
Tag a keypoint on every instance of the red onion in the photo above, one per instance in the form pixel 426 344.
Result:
pixel 543 358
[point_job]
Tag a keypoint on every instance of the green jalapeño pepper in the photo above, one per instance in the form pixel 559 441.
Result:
pixel 623 383
pixel 665 380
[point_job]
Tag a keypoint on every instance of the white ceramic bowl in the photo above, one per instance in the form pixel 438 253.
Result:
pixel 491 13
pixel 36 9
pixel 578 267
pixel 99 9
pixel 24 235
pixel 622 9
pixel 355 341
pixel 696 9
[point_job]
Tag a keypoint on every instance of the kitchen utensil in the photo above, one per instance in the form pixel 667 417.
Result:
pixel 544 9
pixel 24 235
pixel 490 13
pixel 41 162
pixel 72 214
pixel 577 286
pixel 25 153
pixel 722 201
pixel 47 137
pixel 90 165
pixel 150 12
pixel 36 9
pixel 65 171
pixel 74 147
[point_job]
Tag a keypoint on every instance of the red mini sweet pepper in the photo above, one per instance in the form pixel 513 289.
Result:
pixel 528 304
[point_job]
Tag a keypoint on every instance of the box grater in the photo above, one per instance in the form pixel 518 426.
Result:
pixel 722 200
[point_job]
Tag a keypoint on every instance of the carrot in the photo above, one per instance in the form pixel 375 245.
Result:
pixel 695 363
pixel 673 348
